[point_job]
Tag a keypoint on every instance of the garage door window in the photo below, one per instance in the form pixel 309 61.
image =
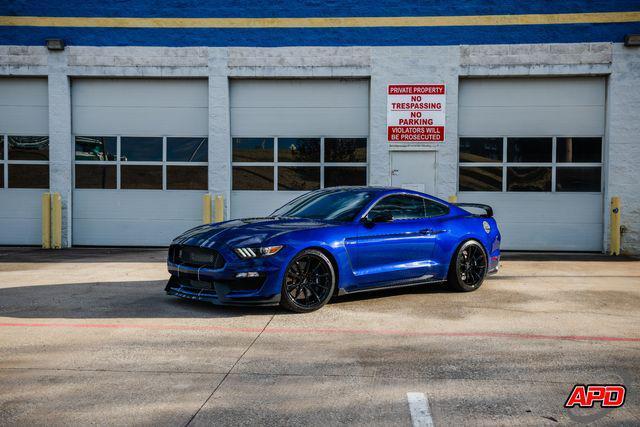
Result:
pixel 186 163
pixel 141 163
pixel 540 164
pixel 579 164
pixel 298 164
pixel 24 161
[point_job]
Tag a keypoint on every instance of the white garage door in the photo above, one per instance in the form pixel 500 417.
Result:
pixel 140 159
pixel 532 148
pixel 24 158
pixel 292 136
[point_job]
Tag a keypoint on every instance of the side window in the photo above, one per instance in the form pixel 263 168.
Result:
pixel 399 207
pixel 432 209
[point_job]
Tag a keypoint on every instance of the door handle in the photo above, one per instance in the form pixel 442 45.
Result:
pixel 430 232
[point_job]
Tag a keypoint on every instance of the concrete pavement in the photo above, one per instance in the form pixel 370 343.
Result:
pixel 88 336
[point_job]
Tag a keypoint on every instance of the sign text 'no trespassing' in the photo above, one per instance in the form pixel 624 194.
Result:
pixel 416 113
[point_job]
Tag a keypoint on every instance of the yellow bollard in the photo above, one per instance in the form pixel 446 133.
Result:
pixel 56 221
pixel 219 208
pixel 453 199
pixel 206 209
pixel 46 221
pixel 614 247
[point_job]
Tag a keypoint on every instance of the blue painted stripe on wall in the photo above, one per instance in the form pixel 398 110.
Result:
pixel 304 8
pixel 366 36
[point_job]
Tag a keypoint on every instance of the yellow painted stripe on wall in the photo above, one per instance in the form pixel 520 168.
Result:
pixel 401 21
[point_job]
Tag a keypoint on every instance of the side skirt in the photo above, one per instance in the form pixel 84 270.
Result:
pixel 424 280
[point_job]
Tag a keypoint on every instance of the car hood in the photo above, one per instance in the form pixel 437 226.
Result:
pixel 245 232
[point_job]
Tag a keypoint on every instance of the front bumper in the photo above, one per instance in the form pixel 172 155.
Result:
pixel 222 286
pixel 216 293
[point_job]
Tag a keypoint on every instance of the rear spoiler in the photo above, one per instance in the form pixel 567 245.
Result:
pixel 488 210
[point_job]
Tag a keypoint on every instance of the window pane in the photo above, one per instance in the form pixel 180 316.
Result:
pixel 187 149
pixel 252 149
pixel 298 178
pixel 1 147
pixel 345 150
pixel 298 149
pixel 1 176
pixel 29 148
pixel 253 178
pixel 578 179
pixel 529 150
pixel 579 150
pixel 335 176
pixel 140 149
pixel 432 208
pixel 399 207
pixel 481 150
pixel 140 177
pixel 187 178
pixel 528 179
pixel 28 176
pixel 480 179
pixel 95 176
pixel 96 148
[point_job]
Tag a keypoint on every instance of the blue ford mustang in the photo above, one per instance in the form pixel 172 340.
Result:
pixel 332 242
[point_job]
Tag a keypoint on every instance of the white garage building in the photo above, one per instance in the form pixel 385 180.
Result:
pixel 133 136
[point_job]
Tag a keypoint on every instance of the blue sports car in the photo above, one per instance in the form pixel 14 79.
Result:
pixel 332 242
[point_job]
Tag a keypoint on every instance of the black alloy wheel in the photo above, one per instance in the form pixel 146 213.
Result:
pixel 468 267
pixel 308 283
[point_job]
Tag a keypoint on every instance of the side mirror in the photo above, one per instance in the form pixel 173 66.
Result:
pixel 381 217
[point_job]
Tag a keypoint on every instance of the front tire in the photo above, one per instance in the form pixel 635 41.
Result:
pixel 468 267
pixel 309 282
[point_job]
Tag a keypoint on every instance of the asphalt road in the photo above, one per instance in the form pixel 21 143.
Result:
pixel 87 336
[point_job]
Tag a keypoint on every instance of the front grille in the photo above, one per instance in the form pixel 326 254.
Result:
pixel 194 256
pixel 209 287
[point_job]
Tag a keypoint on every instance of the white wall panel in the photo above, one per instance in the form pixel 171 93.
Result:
pixel 299 107
pixel 20 217
pixel 140 107
pixel 133 217
pixel 532 106
pixel 545 221
pixel 24 106
pixel 251 204
pixel 300 121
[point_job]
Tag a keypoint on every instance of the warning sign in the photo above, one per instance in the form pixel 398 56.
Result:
pixel 415 113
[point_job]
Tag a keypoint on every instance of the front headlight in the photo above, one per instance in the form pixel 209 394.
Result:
pixel 246 253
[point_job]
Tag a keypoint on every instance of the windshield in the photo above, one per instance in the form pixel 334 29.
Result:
pixel 326 205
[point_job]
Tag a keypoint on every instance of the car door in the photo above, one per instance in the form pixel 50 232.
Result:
pixel 394 242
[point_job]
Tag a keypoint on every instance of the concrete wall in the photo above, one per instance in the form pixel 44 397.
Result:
pixel 382 65
pixel 623 137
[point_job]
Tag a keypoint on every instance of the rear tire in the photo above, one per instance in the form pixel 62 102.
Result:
pixel 309 282
pixel 468 267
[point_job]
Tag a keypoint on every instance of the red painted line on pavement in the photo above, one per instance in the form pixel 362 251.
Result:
pixel 321 331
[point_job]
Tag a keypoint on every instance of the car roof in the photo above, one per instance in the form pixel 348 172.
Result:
pixel 380 190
